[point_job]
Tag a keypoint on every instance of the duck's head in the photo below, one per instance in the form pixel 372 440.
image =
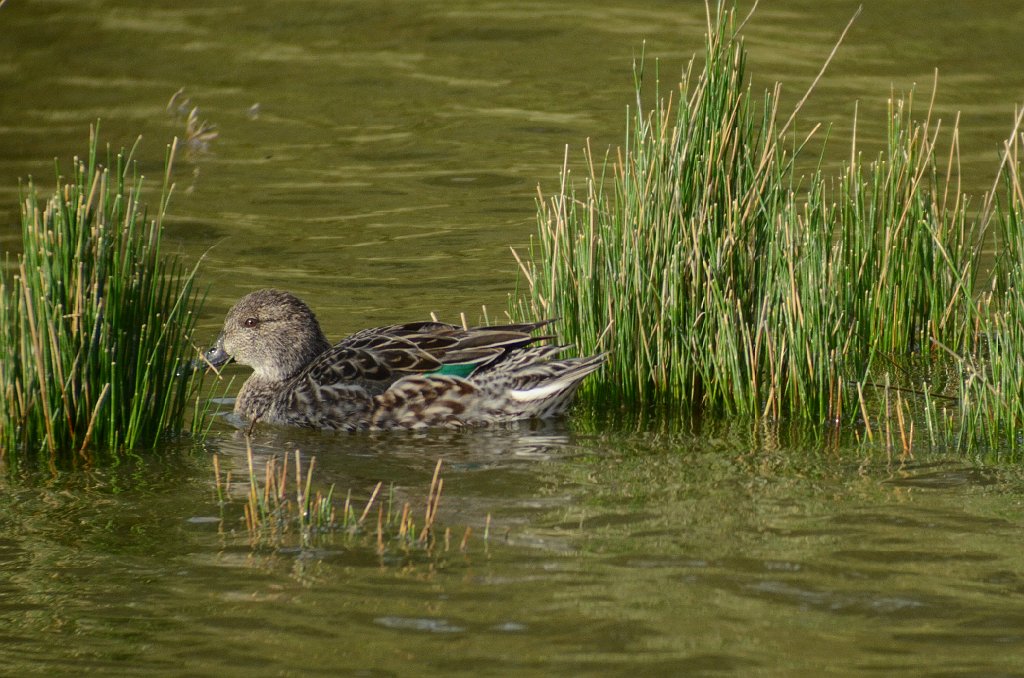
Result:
pixel 272 332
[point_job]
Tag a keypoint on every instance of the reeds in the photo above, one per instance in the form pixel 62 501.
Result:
pixel 992 385
pixel 96 322
pixel 617 264
pixel 721 280
pixel 283 508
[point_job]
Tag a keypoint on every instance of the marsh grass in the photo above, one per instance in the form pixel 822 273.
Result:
pixel 992 385
pixel 282 507
pixel 96 321
pixel 722 280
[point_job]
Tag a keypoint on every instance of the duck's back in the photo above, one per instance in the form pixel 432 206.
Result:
pixel 378 357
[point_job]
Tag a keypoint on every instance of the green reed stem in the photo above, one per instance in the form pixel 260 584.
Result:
pixel 720 280
pixel 97 323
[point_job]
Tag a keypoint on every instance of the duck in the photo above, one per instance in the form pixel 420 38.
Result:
pixel 405 376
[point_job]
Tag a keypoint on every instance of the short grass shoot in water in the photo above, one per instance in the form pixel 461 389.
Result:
pixel 282 508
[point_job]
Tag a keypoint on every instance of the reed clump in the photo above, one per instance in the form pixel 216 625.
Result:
pixel 282 508
pixel 95 322
pixel 991 394
pixel 722 278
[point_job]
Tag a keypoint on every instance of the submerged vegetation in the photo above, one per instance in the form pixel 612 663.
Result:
pixel 95 322
pixel 724 278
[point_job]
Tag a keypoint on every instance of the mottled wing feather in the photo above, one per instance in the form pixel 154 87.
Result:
pixel 529 384
pixel 422 347
pixel 345 364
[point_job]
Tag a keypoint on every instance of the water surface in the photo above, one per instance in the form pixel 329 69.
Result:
pixel 379 159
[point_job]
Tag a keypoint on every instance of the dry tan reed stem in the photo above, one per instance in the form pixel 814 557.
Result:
pixel 380 529
pixel 92 421
pixel 373 496
pixel 216 471
pixel 403 526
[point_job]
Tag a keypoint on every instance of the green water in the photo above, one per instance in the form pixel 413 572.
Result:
pixel 378 159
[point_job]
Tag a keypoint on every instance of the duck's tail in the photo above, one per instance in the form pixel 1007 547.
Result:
pixel 531 384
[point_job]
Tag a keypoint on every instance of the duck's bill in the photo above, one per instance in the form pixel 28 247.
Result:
pixel 214 357
pixel 211 358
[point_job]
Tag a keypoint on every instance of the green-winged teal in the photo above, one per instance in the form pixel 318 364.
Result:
pixel 414 375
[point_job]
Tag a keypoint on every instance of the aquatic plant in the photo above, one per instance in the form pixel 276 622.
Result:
pixel 96 322
pixel 991 393
pixel 282 508
pixel 199 134
pixel 722 280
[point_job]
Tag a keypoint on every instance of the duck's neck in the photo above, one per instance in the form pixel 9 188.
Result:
pixel 307 353
pixel 291 360
pixel 256 397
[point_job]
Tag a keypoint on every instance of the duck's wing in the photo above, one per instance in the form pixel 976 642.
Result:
pixel 457 350
pixel 533 383
pixel 373 369
pixel 382 355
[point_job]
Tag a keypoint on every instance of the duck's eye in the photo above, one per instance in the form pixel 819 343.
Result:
pixel 251 322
